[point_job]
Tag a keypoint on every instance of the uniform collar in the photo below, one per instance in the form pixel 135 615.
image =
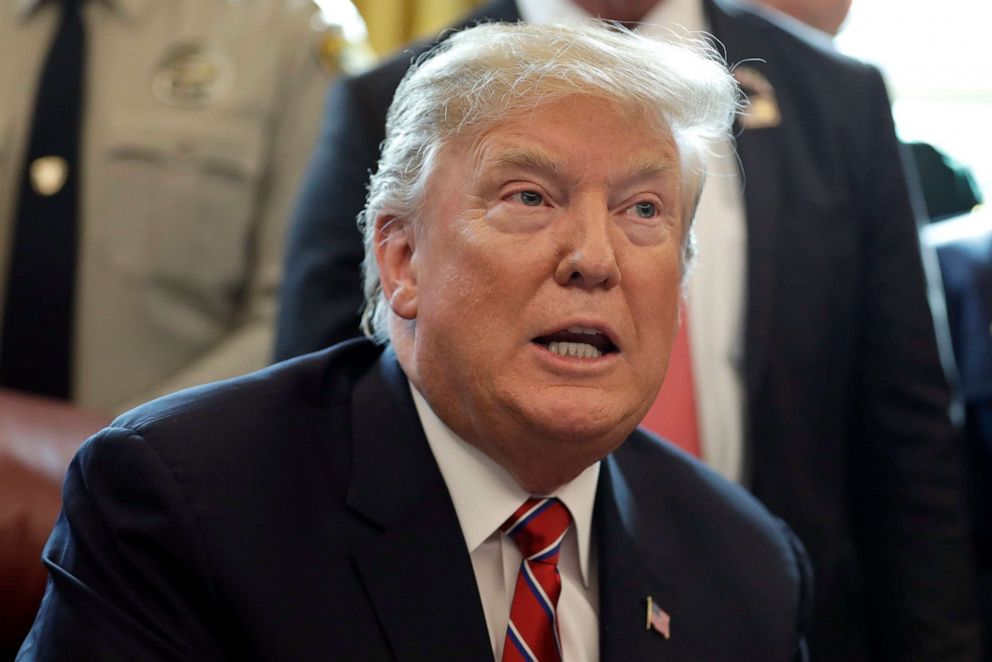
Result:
pixel 128 8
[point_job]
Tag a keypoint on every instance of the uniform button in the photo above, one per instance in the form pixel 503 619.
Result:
pixel 48 174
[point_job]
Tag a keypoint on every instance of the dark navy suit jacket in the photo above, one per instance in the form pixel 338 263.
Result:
pixel 847 427
pixel 298 513
pixel 964 247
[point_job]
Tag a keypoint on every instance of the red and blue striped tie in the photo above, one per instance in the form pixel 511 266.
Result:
pixel 537 528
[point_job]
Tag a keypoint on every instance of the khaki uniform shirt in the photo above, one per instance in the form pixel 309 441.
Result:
pixel 200 116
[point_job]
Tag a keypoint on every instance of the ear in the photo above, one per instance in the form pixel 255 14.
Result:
pixel 394 253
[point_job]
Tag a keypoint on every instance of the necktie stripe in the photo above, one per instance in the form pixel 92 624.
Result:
pixel 528 515
pixel 537 528
pixel 519 643
pixel 542 599
pixel 548 551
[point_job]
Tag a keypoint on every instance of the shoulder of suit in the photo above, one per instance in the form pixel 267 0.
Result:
pixel 645 460
pixel 965 243
pixel 304 383
pixel 669 486
pixel 374 88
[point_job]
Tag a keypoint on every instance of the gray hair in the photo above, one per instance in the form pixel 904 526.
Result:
pixel 497 72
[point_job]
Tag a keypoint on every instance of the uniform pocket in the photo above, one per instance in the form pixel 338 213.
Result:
pixel 178 196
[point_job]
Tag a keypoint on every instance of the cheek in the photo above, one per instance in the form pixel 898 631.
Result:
pixel 469 290
pixel 495 268
pixel 654 292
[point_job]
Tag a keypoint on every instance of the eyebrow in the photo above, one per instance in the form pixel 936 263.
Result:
pixel 651 167
pixel 527 158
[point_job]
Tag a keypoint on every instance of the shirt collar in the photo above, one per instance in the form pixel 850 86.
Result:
pixel 485 495
pixel 686 13
pixel 817 36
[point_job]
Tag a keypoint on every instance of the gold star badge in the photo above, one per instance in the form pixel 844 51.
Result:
pixel 761 109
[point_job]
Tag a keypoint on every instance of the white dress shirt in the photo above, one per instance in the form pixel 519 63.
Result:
pixel 485 495
pixel 716 291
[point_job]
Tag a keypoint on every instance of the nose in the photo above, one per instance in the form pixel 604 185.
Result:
pixel 587 258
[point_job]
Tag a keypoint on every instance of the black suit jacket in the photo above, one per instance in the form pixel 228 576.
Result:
pixel 298 513
pixel 847 423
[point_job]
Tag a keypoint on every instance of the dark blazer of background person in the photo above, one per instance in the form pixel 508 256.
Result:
pixel 847 433
pixel 964 247
pixel 295 522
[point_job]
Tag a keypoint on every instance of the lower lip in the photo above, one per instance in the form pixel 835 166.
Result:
pixel 574 364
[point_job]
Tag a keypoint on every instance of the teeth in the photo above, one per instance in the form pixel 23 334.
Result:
pixel 579 350
pixel 579 329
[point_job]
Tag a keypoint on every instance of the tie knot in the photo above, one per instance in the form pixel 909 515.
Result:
pixel 537 528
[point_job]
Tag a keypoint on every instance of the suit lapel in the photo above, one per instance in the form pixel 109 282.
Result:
pixel 760 151
pixel 627 578
pixel 417 572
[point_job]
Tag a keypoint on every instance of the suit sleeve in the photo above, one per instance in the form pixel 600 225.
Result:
pixel 804 603
pixel 321 294
pixel 127 578
pixel 905 469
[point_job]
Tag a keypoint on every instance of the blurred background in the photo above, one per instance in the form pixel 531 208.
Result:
pixel 935 59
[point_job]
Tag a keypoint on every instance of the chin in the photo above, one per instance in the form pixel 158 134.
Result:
pixel 575 422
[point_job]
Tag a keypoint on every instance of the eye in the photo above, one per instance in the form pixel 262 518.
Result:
pixel 645 209
pixel 530 198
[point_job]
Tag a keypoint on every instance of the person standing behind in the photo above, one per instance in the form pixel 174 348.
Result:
pixel 964 250
pixel 817 376
pixel 149 155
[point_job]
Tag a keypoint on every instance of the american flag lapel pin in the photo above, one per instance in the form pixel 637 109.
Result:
pixel 658 619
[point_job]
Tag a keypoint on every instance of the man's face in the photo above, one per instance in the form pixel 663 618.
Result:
pixel 542 281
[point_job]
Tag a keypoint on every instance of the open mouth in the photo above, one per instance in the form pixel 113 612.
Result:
pixel 578 342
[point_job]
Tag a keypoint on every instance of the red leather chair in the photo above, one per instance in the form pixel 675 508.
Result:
pixel 37 440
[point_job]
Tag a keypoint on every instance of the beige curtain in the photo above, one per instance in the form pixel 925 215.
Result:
pixel 393 24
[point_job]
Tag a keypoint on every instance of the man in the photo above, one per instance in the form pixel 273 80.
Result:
pixel 528 233
pixel 963 250
pixel 156 146
pixel 818 382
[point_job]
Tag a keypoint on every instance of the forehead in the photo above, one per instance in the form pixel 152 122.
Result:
pixel 577 134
